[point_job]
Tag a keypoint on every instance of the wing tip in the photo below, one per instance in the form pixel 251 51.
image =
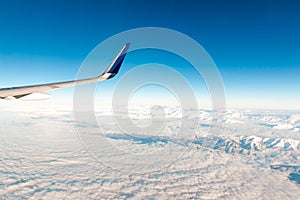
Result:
pixel 115 66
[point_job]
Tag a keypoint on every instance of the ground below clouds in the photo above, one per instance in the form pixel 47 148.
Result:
pixel 42 157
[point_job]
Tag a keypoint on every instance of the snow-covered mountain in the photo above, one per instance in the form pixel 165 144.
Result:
pixel 249 144
pixel 230 155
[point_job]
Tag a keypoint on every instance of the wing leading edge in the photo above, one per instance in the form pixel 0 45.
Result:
pixel 24 91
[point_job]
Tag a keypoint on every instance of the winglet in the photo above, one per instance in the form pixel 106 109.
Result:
pixel 114 67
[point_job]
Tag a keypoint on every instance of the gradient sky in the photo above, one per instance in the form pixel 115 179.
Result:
pixel 255 44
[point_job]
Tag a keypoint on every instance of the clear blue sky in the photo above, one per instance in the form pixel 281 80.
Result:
pixel 255 44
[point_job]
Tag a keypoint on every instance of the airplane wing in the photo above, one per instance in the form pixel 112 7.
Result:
pixel 25 91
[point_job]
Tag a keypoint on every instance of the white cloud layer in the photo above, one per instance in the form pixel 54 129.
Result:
pixel 42 157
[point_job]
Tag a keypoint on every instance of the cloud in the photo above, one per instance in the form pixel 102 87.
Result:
pixel 43 157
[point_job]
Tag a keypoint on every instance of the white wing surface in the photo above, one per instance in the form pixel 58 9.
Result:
pixel 36 90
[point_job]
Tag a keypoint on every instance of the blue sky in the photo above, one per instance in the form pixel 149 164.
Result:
pixel 255 44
